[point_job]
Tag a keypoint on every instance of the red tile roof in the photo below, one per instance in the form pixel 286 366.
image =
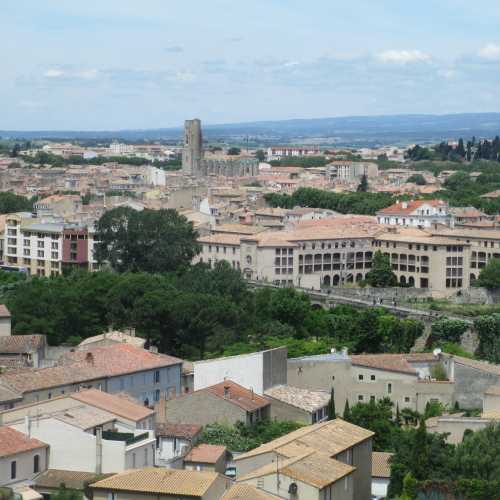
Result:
pixel 13 442
pixel 187 431
pixel 389 362
pixel 381 466
pixel 407 207
pixel 93 364
pixel 20 344
pixel 238 395
pixel 113 403
pixel 205 453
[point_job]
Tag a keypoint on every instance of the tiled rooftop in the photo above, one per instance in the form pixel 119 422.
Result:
pixel 380 464
pixel 205 453
pixel 20 344
pixel 12 442
pixel 160 481
pixel 186 431
pixel 300 398
pixel 238 395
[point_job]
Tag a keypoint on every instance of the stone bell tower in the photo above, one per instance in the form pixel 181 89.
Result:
pixel 192 153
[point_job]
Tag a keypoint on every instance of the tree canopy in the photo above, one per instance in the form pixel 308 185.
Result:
pixel 489 277
pixel 148 240
pixel 381 275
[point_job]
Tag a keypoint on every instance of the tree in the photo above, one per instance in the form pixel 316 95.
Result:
pixel 347 411
pixel 489 277
pixel 64 493
pixel 331 406
pixel 417 179
pixel 488 331
pixel 460 148
pixel 15 150
pixel 381 274
pixel 151 240
pixel 260 155
pixel 233 151
pixel 363 185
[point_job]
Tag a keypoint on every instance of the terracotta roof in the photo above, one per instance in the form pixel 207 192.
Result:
pixel 380 464
pixel 19 344
pixel 331 437
pixel 389 362
pixel 313 468
pixel 113 403
pixel 407 207
pixel 205 453
pixel 115 336
pixel 300 398
pixel 242 491
pixel 12 442
pixel 160 481
pixel 4 312
pixel 94 364
pixel 53 478
pixel 221 238
pixel 238 395
pixel 186 431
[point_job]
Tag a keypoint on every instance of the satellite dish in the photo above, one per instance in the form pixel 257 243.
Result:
pixel 437 352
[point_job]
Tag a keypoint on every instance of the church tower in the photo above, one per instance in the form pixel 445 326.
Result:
pixel 192 153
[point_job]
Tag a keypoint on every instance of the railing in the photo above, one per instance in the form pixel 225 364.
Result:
pixel 128 437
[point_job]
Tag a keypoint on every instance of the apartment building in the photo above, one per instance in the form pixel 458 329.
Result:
pixel 322 461
pixel 403 378
pixel 45 248
pixel 415 213
pixel 144 375
pixel 337 251
pixel 344 171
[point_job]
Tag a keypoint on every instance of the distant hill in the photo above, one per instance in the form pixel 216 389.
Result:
pixel 349 130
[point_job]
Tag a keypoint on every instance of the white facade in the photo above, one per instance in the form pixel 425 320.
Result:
pixel 380 486
pixel 425 215
pixel 257 370
pixel 71 448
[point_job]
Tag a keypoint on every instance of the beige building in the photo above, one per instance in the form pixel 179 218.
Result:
pixel 328 460
pixel 226 402
pixel 403 378
pixel 298 405
pixel 337 251
pixel 161 484
pixel 206 457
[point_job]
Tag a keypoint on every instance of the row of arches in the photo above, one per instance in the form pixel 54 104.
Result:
pixel 335 279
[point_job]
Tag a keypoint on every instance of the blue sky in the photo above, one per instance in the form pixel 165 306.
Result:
pixel 114 64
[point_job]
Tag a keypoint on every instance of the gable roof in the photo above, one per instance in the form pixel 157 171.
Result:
pixel 206 453
pixel 160 481
pixel 299 398
pixel 246 399
pixel 389 362
pixel 113 403
pixel 186 431
pixel 331 437
pixel 408 207
pixel 20 344
pixel 243 491
pixel 53 478
pixel 13 442
pixel 94 364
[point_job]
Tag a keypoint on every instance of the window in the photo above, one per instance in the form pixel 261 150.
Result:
pixel 157 376
pixel 36 463
pixel 360 377
pixel 407 399
pixel 157 395
pixel 360 397
pixel 372 377
pixel 389 388
pixel 40 244
pixel 13 469
pixel 372 399
pixel 40 253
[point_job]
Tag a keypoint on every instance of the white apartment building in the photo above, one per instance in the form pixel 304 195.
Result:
pixel 415 213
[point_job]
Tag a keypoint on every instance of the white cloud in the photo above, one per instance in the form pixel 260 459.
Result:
pixel 291 64
pixel 54 73
pixel 490 51
pixel 403 56
pixel 88 74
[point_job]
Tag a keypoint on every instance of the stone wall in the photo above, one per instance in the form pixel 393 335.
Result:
pixel 477 296
pixel 368 293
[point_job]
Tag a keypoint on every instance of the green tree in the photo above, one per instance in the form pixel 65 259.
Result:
pixel 151 240
pixel 64 493
pixel 363 185
pixel 381 274
pixel 260 155
pixel 448 330
pixel 347 411
pixel 488 331
pixel 332 415
pixel 233 151
pixel 489 277
pixel 417 179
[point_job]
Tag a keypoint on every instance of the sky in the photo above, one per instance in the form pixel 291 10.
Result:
pixel 135 64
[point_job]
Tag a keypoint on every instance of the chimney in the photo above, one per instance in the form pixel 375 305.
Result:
pixel 89 358
pixel 98 450
pixel 404 204
pixel 227 392
pixel 252 393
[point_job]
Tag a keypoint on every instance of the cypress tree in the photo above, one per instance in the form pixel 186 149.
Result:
pixel 331 406
pixel 347 411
